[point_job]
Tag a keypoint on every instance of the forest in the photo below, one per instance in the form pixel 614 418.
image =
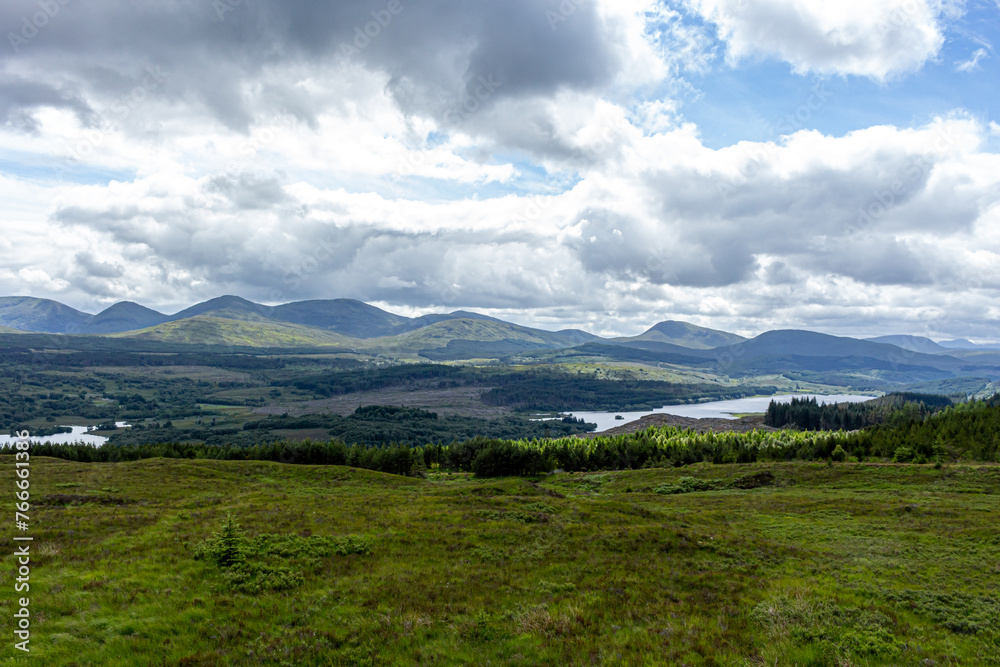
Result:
pixel 369 425
pixel 810 415
pixel 216 396
pixel 964 432
pixel 552 391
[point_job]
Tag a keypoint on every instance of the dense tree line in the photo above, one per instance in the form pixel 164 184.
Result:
pixel 135 397
pixel 372 379
pixel 487 456
pixel 16 409
pixel 809 415
pixel 71 359
pixel 167 433
pixel 371 425
pixel 969 431
pixel 537 389
pixel 549 391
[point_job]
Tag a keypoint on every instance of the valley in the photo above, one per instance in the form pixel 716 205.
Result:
pixel 354 487
pixel 218 369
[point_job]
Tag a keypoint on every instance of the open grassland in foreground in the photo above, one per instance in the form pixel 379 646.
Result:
pixel 849 564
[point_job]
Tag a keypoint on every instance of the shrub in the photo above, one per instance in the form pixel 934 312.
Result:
pixel 755 480
pixel 227 547
pixel 838 454
pixel 689 485
pixel 245 560
pixel 255 578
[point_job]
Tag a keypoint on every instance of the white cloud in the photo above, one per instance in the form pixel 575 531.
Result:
pixel 872 38
pixel 580 197
pixel 972 63
pixel 821 225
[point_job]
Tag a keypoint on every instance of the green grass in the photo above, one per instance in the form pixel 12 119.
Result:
pixel 827 565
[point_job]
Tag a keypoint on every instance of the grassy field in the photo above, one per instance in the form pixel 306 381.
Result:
pixel 849 564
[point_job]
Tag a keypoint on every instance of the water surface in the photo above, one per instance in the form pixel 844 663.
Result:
pixel 713 409
pixel 80 434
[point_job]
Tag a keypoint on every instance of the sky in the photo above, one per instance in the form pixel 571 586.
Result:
pixel 596 164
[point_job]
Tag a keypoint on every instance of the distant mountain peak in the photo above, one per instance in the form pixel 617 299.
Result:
pixel 965 344
pixel 27 313
pixel 228 301
pixel 685 334
pixel 127 307
pixel 469 315
pixel 123 316
pixel 912 343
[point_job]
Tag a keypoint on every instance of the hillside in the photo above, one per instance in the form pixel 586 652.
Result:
pixel 41 315
pixel 449 339
pixel 123 316
pixel 912 343
pixel 234 305
pixel 684 334
pixel 349 317
pixel 799 356
pixel 207 330
pixel 344 316
pixel 793 343
pixel 690 565
pixel 468 339
pixel 962 344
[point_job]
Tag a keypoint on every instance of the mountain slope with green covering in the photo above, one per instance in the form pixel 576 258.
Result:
pixel 345 316
pixel 801 356
pixel 789 343
pixel 207 330
pixel 123 316
pixel 471 338
pixel 685 335
pixel 912 343
pixel 26 313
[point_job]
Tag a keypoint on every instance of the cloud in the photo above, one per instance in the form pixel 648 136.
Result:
pixel 972 63
pixel 247 191
pixel 821 224
pixel 483 156
pixel 871 38
pixel 20 97
pixel 434 53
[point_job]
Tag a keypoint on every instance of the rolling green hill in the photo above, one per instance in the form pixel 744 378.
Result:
pixel 123 316
pixel 449 339
pixel 802 356
pixel 345 316
pixel 685 335
pixel 912 343
pixel 207 330
pixel 27 313
pixel 470 338
pixel 233 305
pixel 788 343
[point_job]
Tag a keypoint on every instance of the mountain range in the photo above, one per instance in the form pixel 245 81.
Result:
pixel 355 326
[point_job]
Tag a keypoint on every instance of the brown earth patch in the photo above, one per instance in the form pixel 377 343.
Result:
pixel 741 425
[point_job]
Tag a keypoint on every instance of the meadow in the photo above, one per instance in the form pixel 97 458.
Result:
pixel 768 563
